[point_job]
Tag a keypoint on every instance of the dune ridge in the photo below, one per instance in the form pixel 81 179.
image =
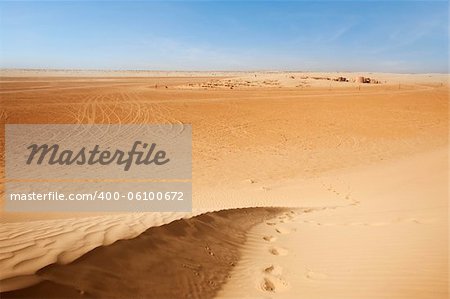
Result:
pixel 27 247
pixel 196 254
pixel 263 145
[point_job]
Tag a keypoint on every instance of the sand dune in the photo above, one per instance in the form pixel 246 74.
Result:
pixel 195 255
pixel 360 164
pixel 30 246
pixel 392 243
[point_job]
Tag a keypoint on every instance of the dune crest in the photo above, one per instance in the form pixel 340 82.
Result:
pixel 27 247
pixel 195 254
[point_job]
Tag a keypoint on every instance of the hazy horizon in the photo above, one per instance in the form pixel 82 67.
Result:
pixel 210 70
pixel 337 36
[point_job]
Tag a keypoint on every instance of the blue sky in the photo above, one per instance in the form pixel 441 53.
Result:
pixel 393 36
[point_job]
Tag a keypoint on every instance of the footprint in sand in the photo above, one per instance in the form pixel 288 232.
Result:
pixel 269 238
pixel 290 216
pixel 282 230
pixel 315 275
pixel 267 285
pixel 416 221
pixel 279 251
pixel 273 269
pixel 274 284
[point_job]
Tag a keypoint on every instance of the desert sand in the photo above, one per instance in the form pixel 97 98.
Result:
pixel 360 170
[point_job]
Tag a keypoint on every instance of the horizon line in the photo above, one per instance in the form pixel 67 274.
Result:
pixel 212 70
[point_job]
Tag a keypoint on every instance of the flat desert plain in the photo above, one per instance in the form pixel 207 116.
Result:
pixel 303 187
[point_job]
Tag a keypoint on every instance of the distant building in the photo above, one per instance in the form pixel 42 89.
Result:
pixel 341 79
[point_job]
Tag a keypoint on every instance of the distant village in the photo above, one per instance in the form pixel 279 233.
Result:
pixel 359 79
